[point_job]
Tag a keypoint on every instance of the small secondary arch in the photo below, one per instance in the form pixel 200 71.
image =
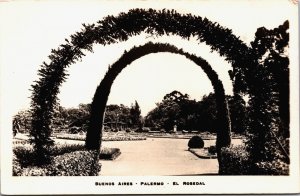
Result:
pixel 94 133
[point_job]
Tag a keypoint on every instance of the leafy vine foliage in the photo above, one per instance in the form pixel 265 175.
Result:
pixel 269 96
pixel 93 139
pixel 260 71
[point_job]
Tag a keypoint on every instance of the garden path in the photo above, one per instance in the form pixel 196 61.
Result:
pixel 157 156
pixel 154 156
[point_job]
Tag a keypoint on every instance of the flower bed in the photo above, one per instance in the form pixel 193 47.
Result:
pixel 123 138
pixel 106 137
pixel 109 153
pixel 202 153
pixel 20 142
pixel 71 137
pixel 179 135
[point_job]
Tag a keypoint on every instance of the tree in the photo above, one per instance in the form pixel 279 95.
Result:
pixel 193 115
pixel 164 116
pixel 22 121
pixel 153 118
pixel 176 97
pixel 135 115
pixel 166 113
pixel 238 113
pixel 268 89
pixel 176 108
pixel 78 118
pixel 118 113
pixel 270 47
pixel 175 105
pixel 208 113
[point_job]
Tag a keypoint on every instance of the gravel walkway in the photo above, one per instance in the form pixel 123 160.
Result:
pixel 157 156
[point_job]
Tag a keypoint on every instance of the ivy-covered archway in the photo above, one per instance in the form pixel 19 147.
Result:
pixel 94 133
pixel 112 30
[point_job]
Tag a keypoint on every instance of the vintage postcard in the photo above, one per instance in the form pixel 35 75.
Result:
pixel 149 97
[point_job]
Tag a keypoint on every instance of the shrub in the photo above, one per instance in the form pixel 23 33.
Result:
pixel 34 171
pixel 74 130
pixel 79 163
pixel 17 169
pixel 275 167
pixel 196 142
pixel 234 160
pixel 144 129
pixel 71 137
pixel 25 155
pixel 212 150
pixel 66 148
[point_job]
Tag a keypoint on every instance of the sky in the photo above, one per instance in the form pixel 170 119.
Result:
pixel 30 29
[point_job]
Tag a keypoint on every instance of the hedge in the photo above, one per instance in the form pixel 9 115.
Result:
pixel 234 161
pixel 79 163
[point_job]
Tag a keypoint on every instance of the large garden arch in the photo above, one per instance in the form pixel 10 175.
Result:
pixel 94 133
pixel 112 30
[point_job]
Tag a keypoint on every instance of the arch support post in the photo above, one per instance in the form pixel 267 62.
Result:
pixel 224 123
pixel 94 132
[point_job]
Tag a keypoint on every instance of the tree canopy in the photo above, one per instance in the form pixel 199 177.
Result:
pixel 177 108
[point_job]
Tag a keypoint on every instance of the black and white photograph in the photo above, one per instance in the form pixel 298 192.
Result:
pixel 149 97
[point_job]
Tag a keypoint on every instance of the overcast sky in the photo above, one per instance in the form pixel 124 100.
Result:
pixel 30 29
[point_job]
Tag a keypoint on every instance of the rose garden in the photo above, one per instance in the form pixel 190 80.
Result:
pixel 231 135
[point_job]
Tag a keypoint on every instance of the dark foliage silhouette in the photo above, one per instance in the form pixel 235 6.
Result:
pixel 192 115
pixel 196 142
pixel 269 97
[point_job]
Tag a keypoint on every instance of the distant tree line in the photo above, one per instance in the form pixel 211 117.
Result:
pixel 177 108
pixel 75 120
pixel 21 122
pixel 131 117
